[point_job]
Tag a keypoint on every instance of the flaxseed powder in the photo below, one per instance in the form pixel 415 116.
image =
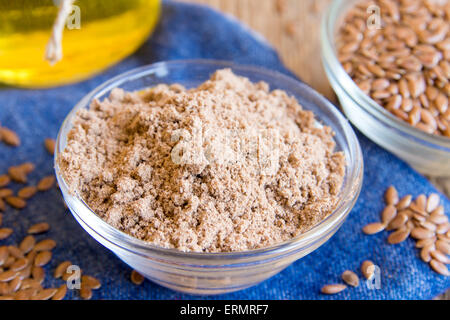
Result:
pixel 227 166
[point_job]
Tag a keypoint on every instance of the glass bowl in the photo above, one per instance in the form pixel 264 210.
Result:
pixel 429 154
pixel 214 273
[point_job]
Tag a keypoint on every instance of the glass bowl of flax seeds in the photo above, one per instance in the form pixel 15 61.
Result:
pixel 388 62
pixel 216 272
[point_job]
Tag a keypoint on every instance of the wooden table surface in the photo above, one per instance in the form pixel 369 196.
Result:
pixel 293 27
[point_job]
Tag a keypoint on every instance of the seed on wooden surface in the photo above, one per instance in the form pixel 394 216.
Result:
pixel 16 202
pixel 44 294
pixel 4 253
pixel 389 213
pixel 27 192
pixel 398 236
pixel 15 252
pixel 85 293
pixel 5 233
pixel 432 202
pixel 404 202
pixel 45 245
pixel 50 145
pixel 38 274
pixel 6 276
pixel 42 258
pixel 441 245
pixel 15 284
pixel 19 264
pixel 27 244
pixel 17 175
pixel 61 269
pixel 350 278
pixel 373 228
pixel 421 233
pixel 333 288
pixel 9 137
pixel 439 256
pixel 39 228
pixel 367 269
pixel 137 278
pixel 91 282
pixel 6 193
pixel 391 195
pixel 60 293
pixel 439 267
pixel 4 180
pixel 46 183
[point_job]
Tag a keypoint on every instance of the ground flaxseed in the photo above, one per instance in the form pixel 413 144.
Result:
pixel 227 166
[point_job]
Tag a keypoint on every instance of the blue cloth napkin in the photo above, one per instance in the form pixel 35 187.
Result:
pixel 192 31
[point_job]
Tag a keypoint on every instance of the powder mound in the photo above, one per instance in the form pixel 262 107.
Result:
pixel 227 166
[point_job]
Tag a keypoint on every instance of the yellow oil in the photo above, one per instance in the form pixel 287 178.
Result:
pixel 109 30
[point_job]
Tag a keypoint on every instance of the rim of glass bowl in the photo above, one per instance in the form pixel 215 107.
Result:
pixel 348 194
pixel 329 21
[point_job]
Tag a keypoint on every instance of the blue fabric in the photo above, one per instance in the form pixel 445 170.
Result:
pixel 191 31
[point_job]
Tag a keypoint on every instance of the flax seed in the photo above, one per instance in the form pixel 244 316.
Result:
pixel 39 228
pixel 4 253
pixel 15 284
pixel 45 245
pixel 38 274
pixel 46 183
pixel 404 202
pixel 4 180
pixel 6 193
pixel 85 293
pixel 137 278
pixel 15 252
pixel 5 233
pixel 27 192
pixel 60 293
pixel 425 253
pixel 19 264
pixel 9 137
pixel 44 294
pixel 439 267
pixel 91 282
pixel 6 276
pixel 16 202
pixel 425 242
pixel 333 288
pixel 367 269
pixel 42 258
pixel 350 278
pixel 389 213
pixel 443 246
pixel 61 269
pixel 17 175
pixel 421 233
pixel 391 196
pixel 373 228
pixel 399 221
pixel 27 244
pixel 398 236
pixel 50 145
pixel 432 202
